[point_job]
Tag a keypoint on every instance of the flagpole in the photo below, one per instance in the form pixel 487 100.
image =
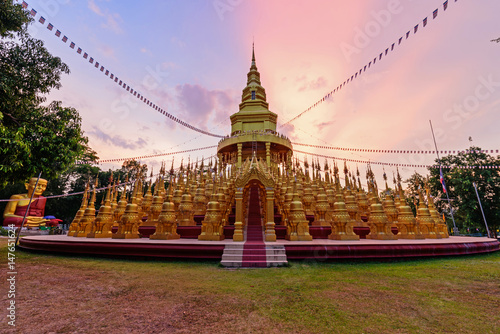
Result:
pixel 455 229
pixel 481 207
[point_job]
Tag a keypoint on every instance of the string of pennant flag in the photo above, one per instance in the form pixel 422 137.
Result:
pixel 393 151
pixel 149 103
pixel 70 194
pixel 96 189
pixel 363 69
pixel 398 164
pixel 114 77
pixel 313 146
pixel 150 156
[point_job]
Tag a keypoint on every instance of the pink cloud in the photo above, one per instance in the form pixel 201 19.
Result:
pixel 117 140
pixel 198 104
pixel 313 84
pixel 113 20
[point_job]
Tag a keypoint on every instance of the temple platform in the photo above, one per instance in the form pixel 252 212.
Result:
pixel 318 249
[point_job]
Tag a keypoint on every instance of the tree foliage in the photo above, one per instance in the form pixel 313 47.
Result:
pixel 12 18
pixel 74 180
pixel 34 136
pixel 459 183
pixel 460 188
pixel 411 191
pixel 134 169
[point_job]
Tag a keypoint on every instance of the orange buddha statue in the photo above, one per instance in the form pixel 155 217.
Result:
pixel 16 208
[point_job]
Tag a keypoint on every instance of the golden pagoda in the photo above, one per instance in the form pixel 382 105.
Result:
pixel 210 202
pixel 253 128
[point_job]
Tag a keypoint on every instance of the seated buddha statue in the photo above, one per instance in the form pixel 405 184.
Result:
pixel 16 208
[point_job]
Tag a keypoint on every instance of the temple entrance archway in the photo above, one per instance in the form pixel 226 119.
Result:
pixel 255 183
pixel 254 173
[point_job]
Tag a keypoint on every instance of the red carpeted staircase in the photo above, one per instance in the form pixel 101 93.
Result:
pixel 254 249
pixel 253 253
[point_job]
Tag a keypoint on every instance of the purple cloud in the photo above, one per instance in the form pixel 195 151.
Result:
pixel 197 104
pixel 118 140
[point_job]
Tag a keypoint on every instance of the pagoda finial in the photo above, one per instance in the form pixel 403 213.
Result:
pixel 253 53
pixel 253 66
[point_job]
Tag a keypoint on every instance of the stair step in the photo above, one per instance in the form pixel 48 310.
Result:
pixel 262 264
pixel 231 258
pixel 251 256
pixel 234 246
pixel 268 256
pixel 254 253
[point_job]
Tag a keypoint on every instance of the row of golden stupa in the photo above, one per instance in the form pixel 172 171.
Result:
pixel 255 155
pixel 296 196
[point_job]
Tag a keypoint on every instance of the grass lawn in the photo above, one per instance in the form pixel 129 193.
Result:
pixel 63 294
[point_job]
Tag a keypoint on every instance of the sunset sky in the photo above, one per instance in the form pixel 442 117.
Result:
pixel 191 58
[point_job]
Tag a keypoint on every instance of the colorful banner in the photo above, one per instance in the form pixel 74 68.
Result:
pixel 396 164
pixel 363 68
pixel 58 33
pixel 394 151
pixel 150 156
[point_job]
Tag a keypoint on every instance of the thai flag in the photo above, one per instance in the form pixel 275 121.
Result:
pixel 64 39
pixel 445 5
pixel 25 4
pixel 50 26
pixel 42 20
pixel 441 179
pixel 434 14
pixel 79 51
pixel 85 55
pixel 58 33
pixel 33 12
pixel 72 45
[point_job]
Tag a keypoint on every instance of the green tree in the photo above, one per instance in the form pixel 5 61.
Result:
pixel 411 192
pixel 34 136
pixel 74 180
pixel 135 169
pixel 459 184
pixel 12 18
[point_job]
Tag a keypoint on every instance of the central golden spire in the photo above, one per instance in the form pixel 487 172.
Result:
pixel 254 95
pixel 254 113
pixel 253 75
pixel 253 127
